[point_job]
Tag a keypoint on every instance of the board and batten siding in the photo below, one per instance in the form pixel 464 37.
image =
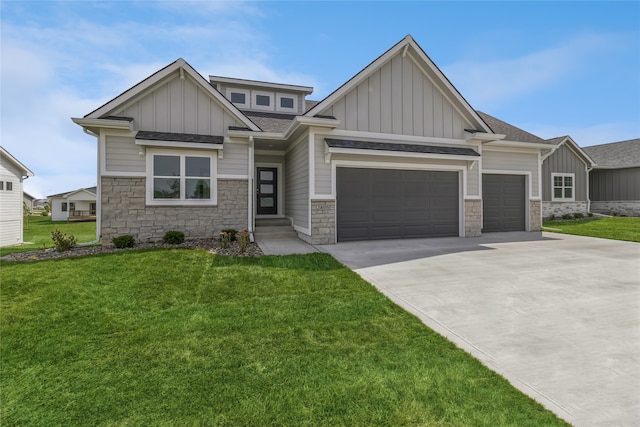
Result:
pixel 614 184
pixel 564 160
pixel 179 106
pixel 10 205
pixel 296 184
pixel 513 161
pixel 398 98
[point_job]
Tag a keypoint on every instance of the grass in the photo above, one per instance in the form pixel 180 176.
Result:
pixel 38 233
pixel 617 228
pixel 179 337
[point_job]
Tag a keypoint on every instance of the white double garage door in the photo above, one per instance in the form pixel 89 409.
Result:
pixel 377 204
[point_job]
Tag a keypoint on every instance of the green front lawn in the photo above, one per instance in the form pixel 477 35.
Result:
pixel 37 233
pixel 617 228
pixel 179 337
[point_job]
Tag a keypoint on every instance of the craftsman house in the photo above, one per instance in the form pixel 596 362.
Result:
pixel 395 152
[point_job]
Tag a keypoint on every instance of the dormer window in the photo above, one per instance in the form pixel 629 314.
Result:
pixel 286 103
pixel 239 97
pixel 262 100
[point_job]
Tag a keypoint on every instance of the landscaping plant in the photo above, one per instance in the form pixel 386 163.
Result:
pixel 173 237
pixel 61 241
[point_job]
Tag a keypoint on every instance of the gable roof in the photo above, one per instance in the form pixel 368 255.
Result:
pixel 25 170
pixel 181 66
pixel 68 193
pixel 573 146
pixel 407 46
pixel 512 132
pixel 616 155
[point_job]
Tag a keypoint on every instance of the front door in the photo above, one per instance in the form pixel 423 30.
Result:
pixel 267 184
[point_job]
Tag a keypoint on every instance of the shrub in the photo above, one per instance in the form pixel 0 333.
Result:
pixel 578 215
pixel 61 241
pixel 590 214
pixel 173 237
pixel 225 238
pixel 121 242
pixel 552 217
pixel 232 233
pixel 243 240
pixel 567 216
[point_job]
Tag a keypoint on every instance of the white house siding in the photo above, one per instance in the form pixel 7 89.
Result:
pixel 235 159
pixel 512 161
pixel 122 155
pixel 398 98
pixel 56 210
pixel 179 106
pixel 296 184
pixel 10 205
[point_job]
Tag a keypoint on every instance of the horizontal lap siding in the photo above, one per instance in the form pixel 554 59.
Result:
pixel 323 170
pixel 615 184
pixel 398 98
pixel 564 160
pixel 235 159
pixel 297 184
pixel 512 161
pixel 10 206
pixel 122 155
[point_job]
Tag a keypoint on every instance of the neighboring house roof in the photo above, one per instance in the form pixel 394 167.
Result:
pixel 616 155
pixel 512 132
pixel 25 170
pixel 92 190
pixel 409 148
pixel 28 196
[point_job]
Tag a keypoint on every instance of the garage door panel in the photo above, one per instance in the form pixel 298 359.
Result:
pixel 396 204
pixel 503 202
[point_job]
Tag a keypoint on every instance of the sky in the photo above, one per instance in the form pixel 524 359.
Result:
pixel 550 67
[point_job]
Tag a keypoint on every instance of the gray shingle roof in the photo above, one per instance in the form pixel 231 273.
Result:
pixel 179 137
pixel 615 155
pixel 89 189
pixel 512 133
pixel 270 122
pixel 392 146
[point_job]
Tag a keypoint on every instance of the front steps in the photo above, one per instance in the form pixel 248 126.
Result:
pixel 274 228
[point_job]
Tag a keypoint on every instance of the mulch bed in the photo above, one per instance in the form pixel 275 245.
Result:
pixel 212 245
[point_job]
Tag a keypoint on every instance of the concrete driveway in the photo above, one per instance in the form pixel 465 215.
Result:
pixel 557 315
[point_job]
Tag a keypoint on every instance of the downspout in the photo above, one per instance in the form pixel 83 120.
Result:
pixel 250 163
pixel 98 193
pixel 588 169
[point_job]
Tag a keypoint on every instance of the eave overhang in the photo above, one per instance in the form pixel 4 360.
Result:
pixel 179 140
pixel 94 125
pixel 481 136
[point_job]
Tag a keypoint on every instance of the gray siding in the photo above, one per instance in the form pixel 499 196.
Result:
pixel 398 98
pixel 564 160
pixel 512 161
pixel 323 170
pixel 296 184
pixel 235 159
pixel 179 106
pixel 615 184
pixel 265 158
pixel 121 155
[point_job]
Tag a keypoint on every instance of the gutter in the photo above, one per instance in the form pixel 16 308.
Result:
pixel 250 164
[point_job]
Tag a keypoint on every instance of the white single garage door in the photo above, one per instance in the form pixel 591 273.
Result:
pixel 393 204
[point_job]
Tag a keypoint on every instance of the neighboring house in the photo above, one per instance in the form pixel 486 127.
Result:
pixel 614 183
pixel 28 200
pixel 565 178
pixel 12 173
pixel 76 205
pixel 394 152
pixel 39 204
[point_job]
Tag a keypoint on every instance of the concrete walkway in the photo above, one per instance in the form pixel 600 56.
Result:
pixel 557 315
pixel 283 245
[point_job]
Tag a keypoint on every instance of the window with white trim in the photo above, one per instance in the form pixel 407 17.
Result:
pixel 185 178
pixel 285 102
pixel 9 185
pixel 563 186
pixel 239 97
pixel 1 185
pixel 262 100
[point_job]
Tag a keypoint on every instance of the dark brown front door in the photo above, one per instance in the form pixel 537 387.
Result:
pixel 267 191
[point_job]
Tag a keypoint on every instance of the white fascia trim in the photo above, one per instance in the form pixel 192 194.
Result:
pixel 484 137
pixel 360 152
pixel 423 140
pixel 257 135
pixel 124 174
pixel 177 144
pixel 256 83
pixel 104 123
pixel 518 144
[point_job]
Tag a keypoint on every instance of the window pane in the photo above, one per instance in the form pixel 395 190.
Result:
pixel 238 98
pixel 64 206
pixel 72 206
pixel 166 165
pixel 1 185
pixel 264 100
pixel 266 188
pixel 557 193
pixel 166 188
pixel 266 175
pixel 568 193
pixel 286 102
pixel 568 181
pixel 198 166
pixel 266 202
pixel 198 189
pixel 557 181
pixel 9 185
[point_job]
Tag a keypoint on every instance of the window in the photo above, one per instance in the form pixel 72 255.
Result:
pixel 186 179
pixel 9 185
pixel 239 97
pixel 563 186
pixel 63 207
pixel 286 102
pixel 72 206
pixel 1 185
pixel 262 100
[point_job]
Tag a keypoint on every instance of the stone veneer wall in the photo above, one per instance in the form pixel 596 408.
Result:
pixel 535 215
pixel 472 218
pixel 124 212
pixel 621 207
pixel 561 208
pixel 323 222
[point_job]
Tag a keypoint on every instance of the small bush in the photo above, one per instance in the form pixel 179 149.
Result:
pixel 578 215
pixel 232 233
pixel 62 241
pixel 567 216
pixel 552 217
pixel 225 238
pixel 590 214
pixel 121 242
pixel 173 237
pixel 243 240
